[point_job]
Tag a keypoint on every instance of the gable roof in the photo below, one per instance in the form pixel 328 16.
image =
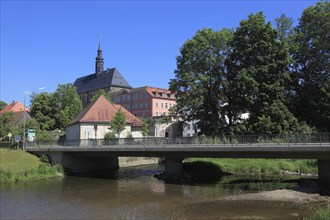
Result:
pixel 14 107
pixel 107 78
pixel 102 110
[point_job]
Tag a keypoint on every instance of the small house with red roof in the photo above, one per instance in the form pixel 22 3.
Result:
pixel 19 112
pixel 93 122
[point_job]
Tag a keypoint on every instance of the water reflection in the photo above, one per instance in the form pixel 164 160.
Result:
pixel 134 193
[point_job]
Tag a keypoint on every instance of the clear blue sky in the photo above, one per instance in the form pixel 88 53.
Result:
pixel 46 43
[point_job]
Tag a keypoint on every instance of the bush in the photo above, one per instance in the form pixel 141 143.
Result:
pixel 109 138
pixel 59 168
pixel 45 159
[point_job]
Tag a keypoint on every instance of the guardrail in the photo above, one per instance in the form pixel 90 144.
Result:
pixel 289 139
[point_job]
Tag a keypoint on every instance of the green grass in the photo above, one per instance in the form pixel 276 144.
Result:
pixel 18 165
pixel 261 166
pixel 321 214
pixel 17 160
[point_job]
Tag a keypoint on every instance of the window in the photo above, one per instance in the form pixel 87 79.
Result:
pixel 162 105
pixel 128 98
pixel 141 105
pixel 170 105
pixel 156 113
pixel 166 105
pixel 146 104
pixel 156 104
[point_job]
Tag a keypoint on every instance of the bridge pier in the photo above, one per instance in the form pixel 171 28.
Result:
pixel 173 166
pixel 324 175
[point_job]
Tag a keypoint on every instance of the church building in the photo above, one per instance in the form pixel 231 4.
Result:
pixel 109 80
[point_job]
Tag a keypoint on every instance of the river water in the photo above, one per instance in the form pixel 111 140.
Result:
pixel 133 193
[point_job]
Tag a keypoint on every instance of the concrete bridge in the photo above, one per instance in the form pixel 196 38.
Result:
pixel 93 154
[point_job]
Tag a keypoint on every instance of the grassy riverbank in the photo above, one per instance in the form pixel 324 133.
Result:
pixel 18 165
pixel 261 166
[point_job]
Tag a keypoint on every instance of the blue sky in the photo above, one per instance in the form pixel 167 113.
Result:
pixel 46 43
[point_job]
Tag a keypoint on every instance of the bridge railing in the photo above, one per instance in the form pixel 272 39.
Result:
pixel 287 139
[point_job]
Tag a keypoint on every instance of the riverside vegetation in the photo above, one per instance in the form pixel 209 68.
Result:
pixel 322 214
pixel 260 166
pixel 18 165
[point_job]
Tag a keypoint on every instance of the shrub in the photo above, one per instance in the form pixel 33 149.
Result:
pixel 45 159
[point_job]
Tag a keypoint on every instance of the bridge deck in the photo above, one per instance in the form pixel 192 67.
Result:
pixel 293 151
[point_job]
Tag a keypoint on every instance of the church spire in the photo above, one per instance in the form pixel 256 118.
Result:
pixel 99 64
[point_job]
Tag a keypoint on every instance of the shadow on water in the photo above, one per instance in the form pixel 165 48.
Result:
pixel 195 173
pixel 205 173
pixel 122 173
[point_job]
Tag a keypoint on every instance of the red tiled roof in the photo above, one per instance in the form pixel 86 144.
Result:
pixel 14 107
pixel 103 110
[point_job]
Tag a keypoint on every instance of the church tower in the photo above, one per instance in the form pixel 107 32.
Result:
pixel 99 64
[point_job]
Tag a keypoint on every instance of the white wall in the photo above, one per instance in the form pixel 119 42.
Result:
pixel 87 131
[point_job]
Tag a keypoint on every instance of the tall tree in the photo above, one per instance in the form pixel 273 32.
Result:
pixel 118 122
pixel 258 68
pixel 42 110
pixel 199 79
pixel 312 62
pixel 67 104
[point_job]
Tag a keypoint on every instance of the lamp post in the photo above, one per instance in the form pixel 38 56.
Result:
pixel 25 94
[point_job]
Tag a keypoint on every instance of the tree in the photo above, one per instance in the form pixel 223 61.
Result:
pixel 99 93
pixel 7 124
pixel 43 111
pixel 284 26
pixel 145 127
pixel 118 122
pixel 312 67
pixel 199 79
pixel 258 72
pixel 2 105
pixel 67 104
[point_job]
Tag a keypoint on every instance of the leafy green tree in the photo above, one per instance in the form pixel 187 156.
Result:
pixel 258 69
pixel 67 104
pixel 2 105
pixel 199 79
pixel 43 111
pixel 99 93
pixel 118 122
pixel 6 125
pixel 311 58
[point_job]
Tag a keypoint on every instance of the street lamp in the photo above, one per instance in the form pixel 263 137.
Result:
pixel 25 94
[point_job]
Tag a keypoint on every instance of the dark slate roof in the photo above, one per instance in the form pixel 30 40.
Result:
pixel 107 78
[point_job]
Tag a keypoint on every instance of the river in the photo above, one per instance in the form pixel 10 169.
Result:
pixel 133 193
